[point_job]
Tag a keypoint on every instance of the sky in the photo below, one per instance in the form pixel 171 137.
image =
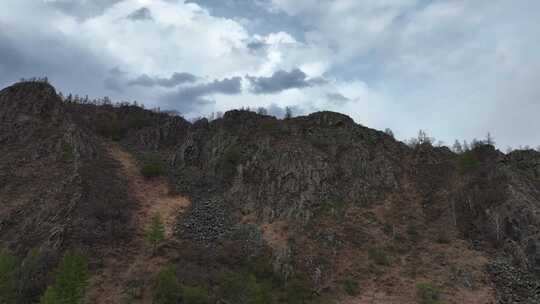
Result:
pixel 454 68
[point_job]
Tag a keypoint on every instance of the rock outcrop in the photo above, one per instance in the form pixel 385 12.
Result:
pixel 58 187
pixel 331 200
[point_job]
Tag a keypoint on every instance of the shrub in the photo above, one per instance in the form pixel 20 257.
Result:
pixel 467 162
pixel 68 153
pixel 379 256
pixel 443 237
pixel 155 233
pixel 8 266
pixel 427 293
pixel 31 277
pixel 167 288
pixel 332 207
pixel 153 166
pixel 195 295
pixel 107 125
pixel 298 292
pixel 351 287
pixel 230 160
pixel 70 281
pixel 244 289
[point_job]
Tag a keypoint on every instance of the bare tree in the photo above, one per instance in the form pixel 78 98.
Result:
pixel 475 143
pixel 490 140
pixel 262 111
pixel 288 113
pixel 423 138
pixel 389 132
pixel 457 148
pixel 497 224
pixel 466 146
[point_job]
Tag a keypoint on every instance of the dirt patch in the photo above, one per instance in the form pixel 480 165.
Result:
pixel 125 272
pixel 275 235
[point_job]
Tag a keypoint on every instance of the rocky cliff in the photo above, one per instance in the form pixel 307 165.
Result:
pixel 323 198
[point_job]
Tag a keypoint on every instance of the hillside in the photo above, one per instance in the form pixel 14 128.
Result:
pixel 311 209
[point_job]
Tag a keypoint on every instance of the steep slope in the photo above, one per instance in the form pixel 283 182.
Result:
pixel 337 211
pixel 58 187
pixel 112 283
pixel 493 200
pixel 335 201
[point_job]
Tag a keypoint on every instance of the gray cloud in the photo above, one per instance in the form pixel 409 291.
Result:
pixel 256 45
pixel 175 79
pixel 82 9
pixel 281 81
pixel 416 64
pixel 255 16
pixel 187 99
pixel 142 13
pixel 68 66
pixel 11 60
pixel 113 81
pixel 337 98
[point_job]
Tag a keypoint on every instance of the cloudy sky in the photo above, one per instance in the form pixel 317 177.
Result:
pixel 454 68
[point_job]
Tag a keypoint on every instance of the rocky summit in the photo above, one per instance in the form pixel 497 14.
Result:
pixel 248 208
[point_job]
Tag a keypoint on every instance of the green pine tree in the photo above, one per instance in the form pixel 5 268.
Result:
pixel 155 233
pixel 70 281
pixel 167 287
pixel 8 266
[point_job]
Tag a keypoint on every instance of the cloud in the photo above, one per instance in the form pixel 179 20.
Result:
pixel 175 79
pixel 142 13
pixel 81 9
pixel 281 81
pixel 188 99
pixel 114 81
pixel 337 98
pixel 12 60
pixel 403 64
pixel 256 45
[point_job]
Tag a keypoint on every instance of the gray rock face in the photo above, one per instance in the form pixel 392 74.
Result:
pixel 284 169
pixel 58 187
pixel 496 205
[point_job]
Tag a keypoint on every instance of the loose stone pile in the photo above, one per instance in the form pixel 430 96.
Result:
pixel 206 221
pixel 513 284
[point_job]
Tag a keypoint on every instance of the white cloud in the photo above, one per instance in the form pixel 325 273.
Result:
pixel 404 64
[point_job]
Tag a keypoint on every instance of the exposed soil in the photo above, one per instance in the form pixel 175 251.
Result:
pixel 127 269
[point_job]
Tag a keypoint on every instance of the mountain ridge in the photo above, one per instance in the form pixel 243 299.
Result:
pixel 319 196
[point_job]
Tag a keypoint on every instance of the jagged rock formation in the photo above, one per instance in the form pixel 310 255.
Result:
pixel 329 199
pixel 58 188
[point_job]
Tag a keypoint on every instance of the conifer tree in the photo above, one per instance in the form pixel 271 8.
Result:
pixel 7 277
pixel 155 233
pixel 70 281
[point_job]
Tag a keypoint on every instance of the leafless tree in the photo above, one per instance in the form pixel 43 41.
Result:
pixel 262 111
pixel 389 132
pixel 489 139
pixel 423 138
pixel 288 113
pixel 457 148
